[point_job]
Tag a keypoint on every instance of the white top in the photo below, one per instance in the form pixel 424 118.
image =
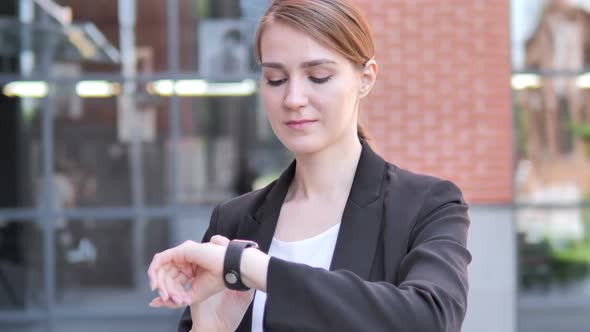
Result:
pixel 315 251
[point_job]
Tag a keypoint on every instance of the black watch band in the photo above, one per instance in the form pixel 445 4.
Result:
pixel 231 264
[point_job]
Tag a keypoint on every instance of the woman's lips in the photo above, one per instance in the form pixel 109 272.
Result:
pixel 300 124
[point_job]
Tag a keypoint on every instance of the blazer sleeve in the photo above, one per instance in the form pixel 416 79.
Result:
pixel 430 293
pixel 186 323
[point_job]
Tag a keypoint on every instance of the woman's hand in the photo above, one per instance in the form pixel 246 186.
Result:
pixel 222 311
pixel 199 265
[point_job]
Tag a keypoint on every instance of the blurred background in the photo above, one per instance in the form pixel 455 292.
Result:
pixel 124 122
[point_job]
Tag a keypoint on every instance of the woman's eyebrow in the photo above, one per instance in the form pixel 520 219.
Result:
pixel 272 65
pixel 306 64
pixel 314 63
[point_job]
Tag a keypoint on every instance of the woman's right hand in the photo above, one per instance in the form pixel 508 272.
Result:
pixel 222 311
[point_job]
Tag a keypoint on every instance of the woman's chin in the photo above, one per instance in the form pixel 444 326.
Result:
pixel 302 145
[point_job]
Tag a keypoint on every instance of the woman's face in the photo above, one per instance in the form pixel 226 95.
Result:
pixel 310 92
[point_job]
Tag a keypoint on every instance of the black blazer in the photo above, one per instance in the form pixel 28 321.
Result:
pixel 400 262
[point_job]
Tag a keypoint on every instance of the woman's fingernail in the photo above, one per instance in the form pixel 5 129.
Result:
pixel 163 295
pixel 176 299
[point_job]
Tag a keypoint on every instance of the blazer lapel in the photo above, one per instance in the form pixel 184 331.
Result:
pixel 260 226
pixel 361 219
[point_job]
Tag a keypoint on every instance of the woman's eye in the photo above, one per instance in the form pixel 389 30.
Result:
pixel 320 80
pixel 276 82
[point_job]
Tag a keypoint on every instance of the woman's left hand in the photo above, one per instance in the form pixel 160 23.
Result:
pixel 199 265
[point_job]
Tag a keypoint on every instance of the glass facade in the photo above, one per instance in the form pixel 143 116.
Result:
pixel 550 61
pixel 123 123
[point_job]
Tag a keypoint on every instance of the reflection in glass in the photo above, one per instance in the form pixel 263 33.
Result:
pixel 19 159
pixel 21 265
pixel 553 146
pixel 549 34
pixel 226 48
pixel 99 260
pixel 49 43
pixel 554 269
pixel 553 116
pixel 92 163
pixel 154 166
pixel 227 148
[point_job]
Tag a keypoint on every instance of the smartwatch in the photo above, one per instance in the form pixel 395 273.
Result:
pixel 231 264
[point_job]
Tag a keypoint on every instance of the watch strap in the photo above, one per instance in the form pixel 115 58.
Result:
pixel 231 264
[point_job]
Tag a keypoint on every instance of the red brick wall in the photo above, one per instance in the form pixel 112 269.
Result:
pixel 442 102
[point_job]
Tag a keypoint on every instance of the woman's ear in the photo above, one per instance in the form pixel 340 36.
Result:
pixel 368 77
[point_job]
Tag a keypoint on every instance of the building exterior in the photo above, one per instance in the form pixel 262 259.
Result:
pixel 443 106
pixel 94 186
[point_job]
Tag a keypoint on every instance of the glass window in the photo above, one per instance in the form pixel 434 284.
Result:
pixel 122 140
pixel 101 263
pixel 226 147
pixel 553 138
pixel 554 269
pixel 19 126
pixel 92 165
pixel 21 266
pixel 552 113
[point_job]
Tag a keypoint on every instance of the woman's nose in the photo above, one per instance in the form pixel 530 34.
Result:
pixel 295 97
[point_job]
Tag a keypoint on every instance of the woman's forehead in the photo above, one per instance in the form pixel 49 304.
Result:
pixel 280 42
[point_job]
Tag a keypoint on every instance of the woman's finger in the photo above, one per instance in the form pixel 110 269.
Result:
pixel 169 285
pixel 186 269
pixel 206 256
pixel 175 283
pixel 157 262
pixel 156 302
pixel 159 303
pixel 160 281
pixel 220 240
pixel 179 290
pixel 177 255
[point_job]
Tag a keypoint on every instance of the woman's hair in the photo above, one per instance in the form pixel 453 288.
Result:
pixel 336 24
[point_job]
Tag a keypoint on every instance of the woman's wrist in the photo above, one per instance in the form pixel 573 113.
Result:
pixel 254 268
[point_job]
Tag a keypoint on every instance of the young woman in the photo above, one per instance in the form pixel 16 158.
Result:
pixel 343 240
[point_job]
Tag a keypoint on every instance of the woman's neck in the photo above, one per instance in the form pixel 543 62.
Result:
pixel 326 174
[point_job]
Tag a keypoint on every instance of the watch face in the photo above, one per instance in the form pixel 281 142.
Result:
pixel 231 278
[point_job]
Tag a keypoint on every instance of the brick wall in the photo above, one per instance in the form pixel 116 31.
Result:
pixel 442 102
